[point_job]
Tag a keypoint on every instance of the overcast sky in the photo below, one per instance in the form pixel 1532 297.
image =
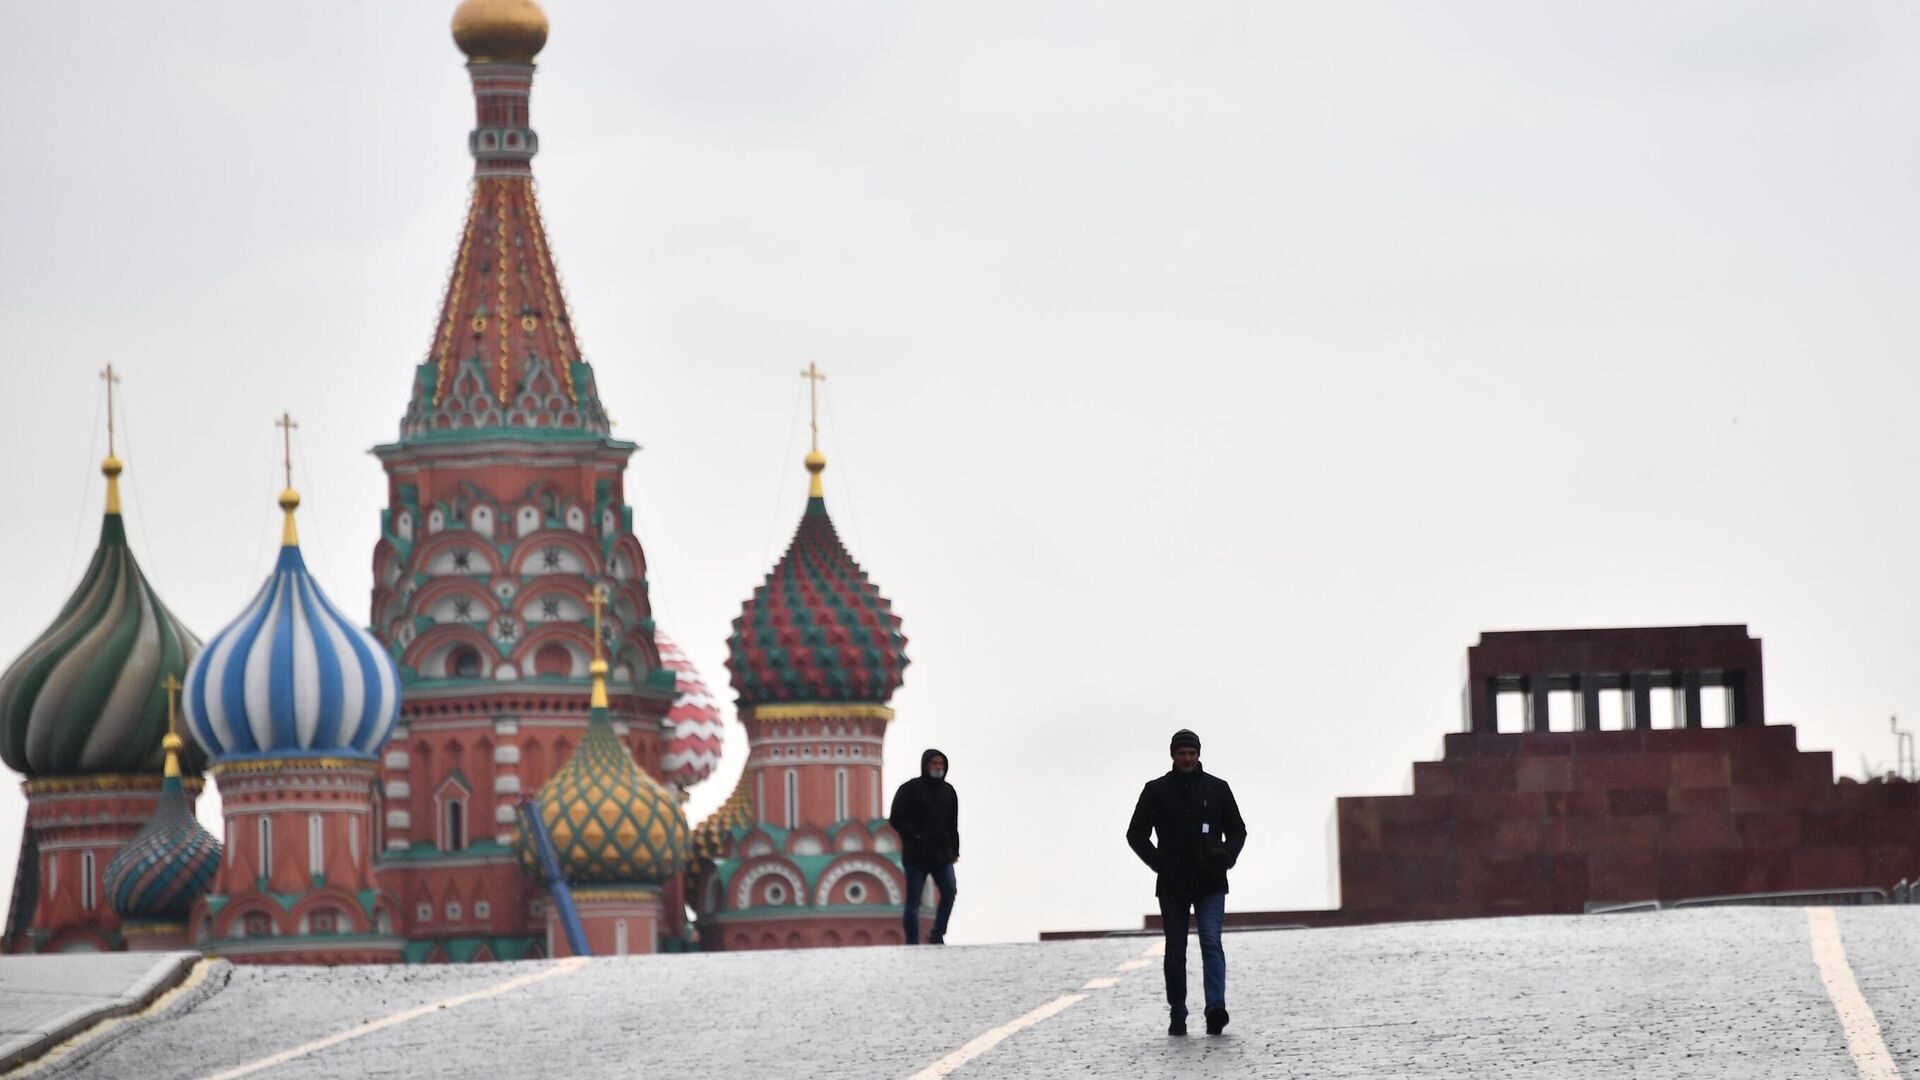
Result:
pixel 1216 365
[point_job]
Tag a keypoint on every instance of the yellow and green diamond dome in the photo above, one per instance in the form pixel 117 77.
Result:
pixel 611 823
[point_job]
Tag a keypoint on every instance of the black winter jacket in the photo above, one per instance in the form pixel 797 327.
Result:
pixel 1185 811
pixel 926 814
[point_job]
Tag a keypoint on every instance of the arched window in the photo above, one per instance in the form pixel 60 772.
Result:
pixel 86 881
pixel 464 663
pixel 620 937
pixel 553 659
pixel 793 798
pixel 456 824
pixel 256 925
pixel 840 795
pixel 316 846
pixel 266 848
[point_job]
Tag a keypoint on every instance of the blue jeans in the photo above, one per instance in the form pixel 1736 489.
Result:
pixel 1211 912
pixel 916 884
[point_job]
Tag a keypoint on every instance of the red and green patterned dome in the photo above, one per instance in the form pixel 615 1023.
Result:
pixel 817 630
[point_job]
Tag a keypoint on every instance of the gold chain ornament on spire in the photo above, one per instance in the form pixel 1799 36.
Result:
pixel 597 600
pixel 172 741
pixel 289 498
pixel 816 461
pixel 110 466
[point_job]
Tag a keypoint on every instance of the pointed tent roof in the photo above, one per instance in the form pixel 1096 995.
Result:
pixel 504 358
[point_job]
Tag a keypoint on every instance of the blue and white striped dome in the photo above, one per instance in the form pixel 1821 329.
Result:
pixel 292 676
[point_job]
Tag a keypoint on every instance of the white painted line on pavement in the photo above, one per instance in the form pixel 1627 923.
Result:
pixel 1102 984
pixel 1159 948
pixel 1134 965
pixel 564 967
pixel 1856 1016
pixel 988 1041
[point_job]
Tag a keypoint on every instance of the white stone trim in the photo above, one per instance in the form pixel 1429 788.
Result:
pixel 895 895
pixel 743 889
pixel 233 811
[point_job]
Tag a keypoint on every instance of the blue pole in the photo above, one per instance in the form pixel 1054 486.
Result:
pixel 557 883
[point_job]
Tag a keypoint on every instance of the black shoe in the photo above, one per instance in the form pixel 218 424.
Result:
pixel 936 940
pixel 1216 1020
pixel 1178 1026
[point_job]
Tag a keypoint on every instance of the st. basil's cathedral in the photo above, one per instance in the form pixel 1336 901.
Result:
pixel 407 791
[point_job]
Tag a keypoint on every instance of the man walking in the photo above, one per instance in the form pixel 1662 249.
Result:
pixel 1193 814
pixel 926 814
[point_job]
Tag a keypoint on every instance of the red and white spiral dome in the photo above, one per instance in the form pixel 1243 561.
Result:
pixel 693 748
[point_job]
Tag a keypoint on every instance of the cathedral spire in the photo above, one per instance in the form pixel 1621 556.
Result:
pixel 504 355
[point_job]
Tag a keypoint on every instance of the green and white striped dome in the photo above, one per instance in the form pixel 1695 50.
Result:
pixel 87 697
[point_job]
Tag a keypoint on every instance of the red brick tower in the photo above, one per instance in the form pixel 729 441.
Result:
pixel 801 853
pixel 293 701
pixel 82 714
pixel 506 509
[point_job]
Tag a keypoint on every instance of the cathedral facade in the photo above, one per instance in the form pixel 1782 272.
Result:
pixel 388 789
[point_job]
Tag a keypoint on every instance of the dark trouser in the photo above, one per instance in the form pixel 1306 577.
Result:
pixel 916 883
pixel 1212 911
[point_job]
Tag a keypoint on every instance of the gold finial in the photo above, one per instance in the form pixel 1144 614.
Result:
pixel 111 466
pixel 172 741
pixel 816 461
pixel 513 31
pixel 289 498
pixel 598 600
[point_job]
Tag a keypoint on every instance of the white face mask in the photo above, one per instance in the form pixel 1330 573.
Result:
pixel 937 774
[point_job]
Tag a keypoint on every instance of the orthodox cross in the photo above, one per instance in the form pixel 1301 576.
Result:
pixel 286 426
pixel 172 742
pixel 172 687
pixel 110 379
pixel 814 377
pixel 597 600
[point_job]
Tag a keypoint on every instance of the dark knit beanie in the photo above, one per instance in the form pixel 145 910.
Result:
pixel 1183 737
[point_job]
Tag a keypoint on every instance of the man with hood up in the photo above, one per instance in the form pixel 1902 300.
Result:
pixel 926 814
pixel 1197 822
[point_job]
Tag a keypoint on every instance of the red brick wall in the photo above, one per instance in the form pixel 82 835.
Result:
pixel 1548 822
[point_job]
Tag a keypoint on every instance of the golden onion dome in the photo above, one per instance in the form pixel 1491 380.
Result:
pixel 501 30
pixel 610 822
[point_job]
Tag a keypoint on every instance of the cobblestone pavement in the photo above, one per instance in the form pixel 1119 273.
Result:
pixel 1719 993
pixel 44 999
